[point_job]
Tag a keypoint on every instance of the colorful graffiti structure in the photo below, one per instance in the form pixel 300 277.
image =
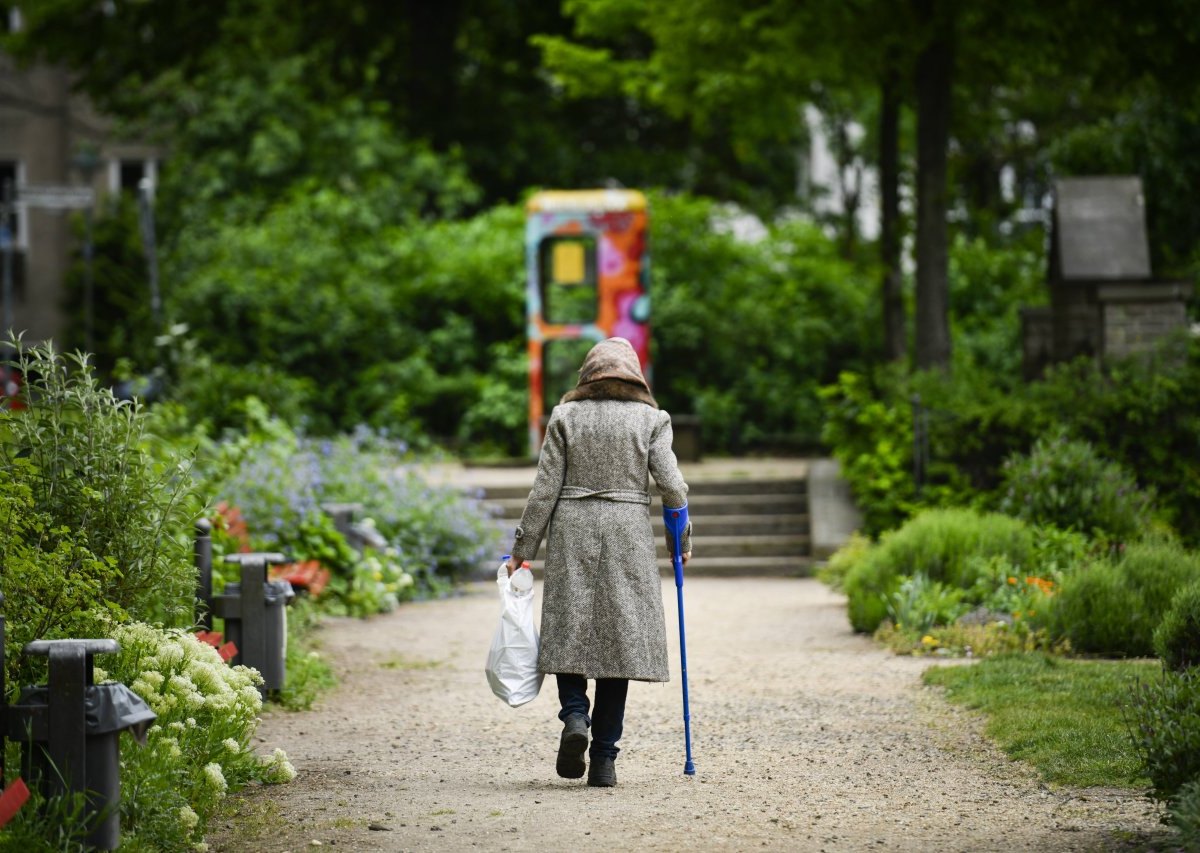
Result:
pixel 587 269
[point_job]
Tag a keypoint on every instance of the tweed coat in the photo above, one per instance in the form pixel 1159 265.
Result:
pixel 602 610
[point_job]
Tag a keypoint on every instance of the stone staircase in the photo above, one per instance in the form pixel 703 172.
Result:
pixel 743 527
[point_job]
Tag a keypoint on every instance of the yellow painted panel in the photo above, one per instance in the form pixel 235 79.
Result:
pixel 567 262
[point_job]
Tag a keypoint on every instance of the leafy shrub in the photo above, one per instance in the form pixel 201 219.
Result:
pixel 1065 483
pixel 989 285
pixel 920 603
pixel 421 323
pixel 833 572
pixel 1091 611
pixel 435 529
pixel 1139 413
pixel 1185 815
pixel 945 546
pixel 1177 638
pixel 1164 720
pixel 213 395
pixel 93 525
pixel 279 480
pixel 872 439
pixel 721 351
pixel 1114 605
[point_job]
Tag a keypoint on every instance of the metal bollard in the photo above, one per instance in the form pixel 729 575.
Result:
pixel 361 537
pixel 70 732
pixel 203 556
pixel 342 515
pixel 255 614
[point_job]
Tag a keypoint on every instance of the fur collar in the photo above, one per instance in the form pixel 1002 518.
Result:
pixel 611 389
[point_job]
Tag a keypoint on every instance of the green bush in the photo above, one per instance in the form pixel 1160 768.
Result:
pixel 720 349
pixel 94 526
pixel 833 572
pixel 1139 413
pixel 1093 612
pixel 279 480
pixel 989 286
pixel 1177 638
pixel 1185 815
pixel 1164 719
pixel 418 327
pixel 1065 483
pixel 1113 606
pixel 872 438
pixel 921 603
pixel 943 545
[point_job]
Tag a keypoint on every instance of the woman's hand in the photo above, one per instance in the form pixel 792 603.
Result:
pixel 687 557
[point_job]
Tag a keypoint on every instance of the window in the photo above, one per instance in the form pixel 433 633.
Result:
pixel 567 270
pixel 12 236
pixel 125 175
pixel 130 175
pixel 10 182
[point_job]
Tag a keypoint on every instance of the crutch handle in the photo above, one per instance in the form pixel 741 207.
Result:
pixel 676 521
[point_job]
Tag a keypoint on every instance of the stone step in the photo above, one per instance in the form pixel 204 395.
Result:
pixel 698 505
pixel 695 489
pixel 791 524
pixel 770 545
pixel 729 567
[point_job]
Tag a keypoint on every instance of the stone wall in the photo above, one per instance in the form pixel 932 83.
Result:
pixel 1135 316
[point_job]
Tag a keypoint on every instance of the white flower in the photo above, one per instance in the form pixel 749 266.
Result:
pixel 151 677
pixel 279 769
pixel 182 685
pixel 231 745
pixel 170 747
pixel 250 696
pixel 215 777
pixel 188 817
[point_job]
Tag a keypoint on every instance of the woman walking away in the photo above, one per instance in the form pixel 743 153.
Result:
pixel 602 611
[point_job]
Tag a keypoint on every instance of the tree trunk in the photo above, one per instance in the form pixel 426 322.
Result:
pixel 895 343
pixel 934 69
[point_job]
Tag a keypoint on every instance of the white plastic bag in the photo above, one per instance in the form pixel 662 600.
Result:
pixel 512 660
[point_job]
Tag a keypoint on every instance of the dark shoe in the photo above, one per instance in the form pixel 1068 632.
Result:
pixel 571 747
pixel 602 773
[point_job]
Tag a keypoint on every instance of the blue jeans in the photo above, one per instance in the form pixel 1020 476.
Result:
pixel 607 717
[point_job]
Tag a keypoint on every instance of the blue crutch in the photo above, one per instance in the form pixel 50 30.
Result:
pixel 676 520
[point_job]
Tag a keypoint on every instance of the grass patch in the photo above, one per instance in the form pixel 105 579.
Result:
pixel 409 663
pixel 254 818
pixel 1063 716
pixel 308 674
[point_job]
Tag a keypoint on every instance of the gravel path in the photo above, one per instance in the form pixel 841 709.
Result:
pixel 806 737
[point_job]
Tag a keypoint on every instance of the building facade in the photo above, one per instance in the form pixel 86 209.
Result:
pixel 51 140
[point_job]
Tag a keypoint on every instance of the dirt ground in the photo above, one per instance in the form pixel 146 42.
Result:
pixel 806 737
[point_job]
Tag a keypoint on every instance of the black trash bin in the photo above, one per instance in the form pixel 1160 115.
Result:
pixel 109 709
